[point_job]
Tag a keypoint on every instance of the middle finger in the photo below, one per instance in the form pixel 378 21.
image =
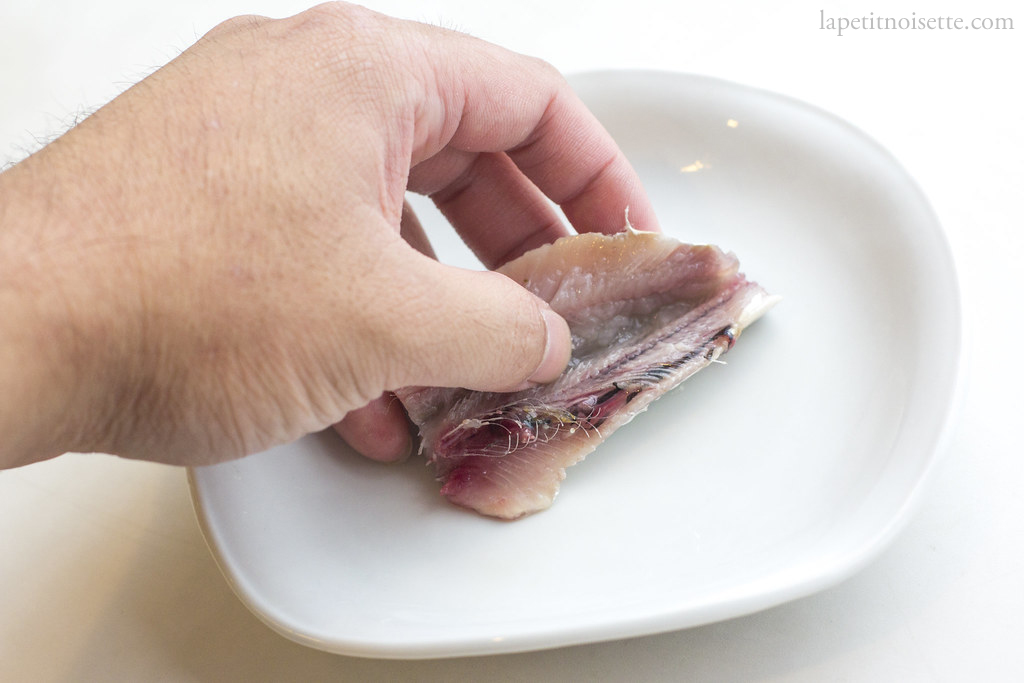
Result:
pixel 497 210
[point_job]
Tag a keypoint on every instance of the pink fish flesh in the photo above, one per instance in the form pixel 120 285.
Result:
pixel 645 311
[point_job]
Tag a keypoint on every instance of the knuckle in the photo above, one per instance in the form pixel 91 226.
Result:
pixel 545 75
pixel 235 25
pixel 340 20
pixel 547 69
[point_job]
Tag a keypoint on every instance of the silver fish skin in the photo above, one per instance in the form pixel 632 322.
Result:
pixel 645 312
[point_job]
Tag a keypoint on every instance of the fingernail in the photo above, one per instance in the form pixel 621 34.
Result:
pixel 556 351
pixel 409 445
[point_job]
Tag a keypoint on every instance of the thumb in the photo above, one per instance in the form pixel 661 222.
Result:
pixel 471 329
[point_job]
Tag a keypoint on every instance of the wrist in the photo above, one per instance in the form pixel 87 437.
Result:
pixel 50 349
pixel 33 398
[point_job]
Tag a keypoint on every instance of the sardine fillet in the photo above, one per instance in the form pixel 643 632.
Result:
pixel 646 312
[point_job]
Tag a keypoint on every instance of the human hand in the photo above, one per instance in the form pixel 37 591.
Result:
pixel 214 262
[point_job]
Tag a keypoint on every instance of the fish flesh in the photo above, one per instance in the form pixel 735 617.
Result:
pixel 645 312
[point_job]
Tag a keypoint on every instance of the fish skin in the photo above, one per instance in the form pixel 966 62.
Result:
pixel 645 311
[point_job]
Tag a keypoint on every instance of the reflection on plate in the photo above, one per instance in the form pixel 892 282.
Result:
pixel 760 481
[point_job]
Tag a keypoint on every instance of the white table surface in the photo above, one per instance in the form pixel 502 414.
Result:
pixel 105 576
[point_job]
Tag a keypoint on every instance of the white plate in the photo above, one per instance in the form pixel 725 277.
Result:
pixel 760 481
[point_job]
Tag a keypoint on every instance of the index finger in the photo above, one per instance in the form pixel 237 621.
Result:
pixel 488 99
